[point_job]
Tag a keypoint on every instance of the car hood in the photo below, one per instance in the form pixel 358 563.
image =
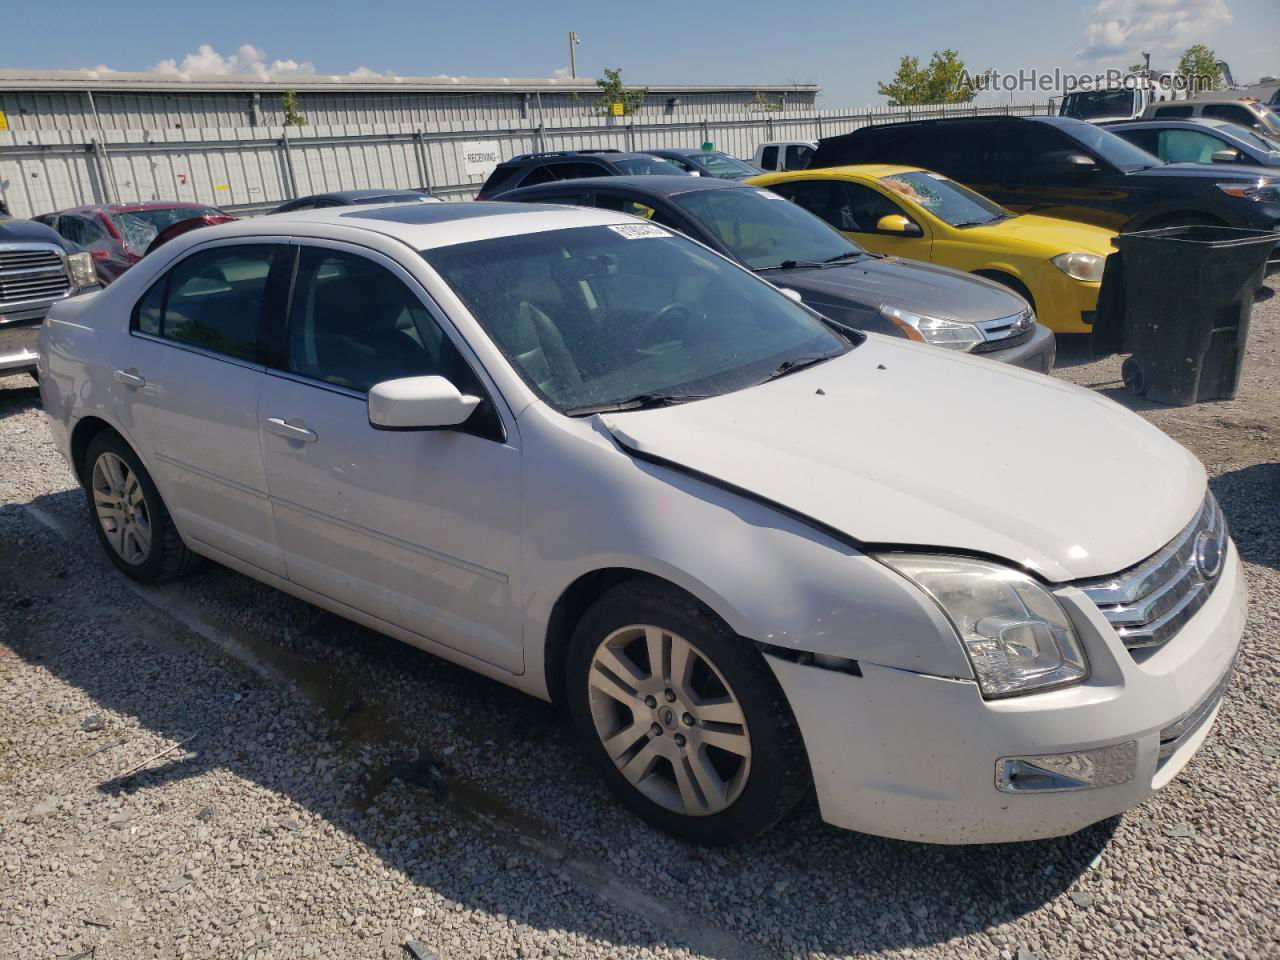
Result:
pixel 897 443
pixel 1050 233
pixel 918 287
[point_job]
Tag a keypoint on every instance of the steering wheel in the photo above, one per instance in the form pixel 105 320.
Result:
pixel 670 322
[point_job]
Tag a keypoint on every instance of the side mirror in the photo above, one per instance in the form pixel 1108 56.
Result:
pixel 1068 162
pixel 1226 155
pixel 896 223
pixel 418 403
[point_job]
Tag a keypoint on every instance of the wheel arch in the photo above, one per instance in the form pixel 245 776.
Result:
pixel 1005 276
pixel 82 435
pixel 573 603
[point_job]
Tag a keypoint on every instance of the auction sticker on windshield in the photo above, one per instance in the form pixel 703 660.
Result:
pixel 637 231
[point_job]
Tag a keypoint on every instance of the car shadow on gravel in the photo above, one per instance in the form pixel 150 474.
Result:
pixel 18 395
pixel 1073 350
pixel 398 750
pixel 1250 497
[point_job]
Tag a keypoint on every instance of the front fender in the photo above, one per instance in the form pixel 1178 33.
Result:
pixel 772 577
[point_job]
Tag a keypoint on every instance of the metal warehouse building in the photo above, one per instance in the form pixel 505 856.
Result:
pixel 92 100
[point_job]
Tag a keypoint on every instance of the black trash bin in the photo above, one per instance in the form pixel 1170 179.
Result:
pixel 1178 299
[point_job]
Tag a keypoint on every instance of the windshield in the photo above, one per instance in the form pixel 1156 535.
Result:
pixel 764 230
pixel 724 166
pixel 140 227
pixel 1270 120
pixel 596 315
pixel 1115 150
pixel 1098 103
pixel 648 166
pixel 1254 138
pixel 945 199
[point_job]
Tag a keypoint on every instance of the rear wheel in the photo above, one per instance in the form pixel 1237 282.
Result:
pixel 1134 379
pixel 131 520
pixel 681 718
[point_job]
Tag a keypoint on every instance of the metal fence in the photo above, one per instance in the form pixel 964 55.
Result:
pixel 250 169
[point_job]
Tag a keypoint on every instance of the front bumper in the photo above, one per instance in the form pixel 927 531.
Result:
pixel 1036 354
pixel 903 755
pixel 1062 301
pixel 19 333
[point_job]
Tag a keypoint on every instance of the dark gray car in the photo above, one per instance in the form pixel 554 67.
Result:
pixel 799 252
pixel 707 163
pixel 1200 141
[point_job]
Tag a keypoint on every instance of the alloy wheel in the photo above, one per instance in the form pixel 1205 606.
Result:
pixel 121 507
pixel 669 720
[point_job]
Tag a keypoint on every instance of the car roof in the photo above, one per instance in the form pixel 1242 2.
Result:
pixel 677 151
pixel 137 207
pixel 1190 123
pixel 1220 96
pixel 426 225
pixel 660 185
pixel 576 154
pixel 873 171
pixel 362 194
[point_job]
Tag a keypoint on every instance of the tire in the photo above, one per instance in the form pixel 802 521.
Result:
pixel 1134 379
pixel 727 797
pixel 148 548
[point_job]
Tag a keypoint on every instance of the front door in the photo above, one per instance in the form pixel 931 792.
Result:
pixel 415 527
pixel 855 209
pixel 187 384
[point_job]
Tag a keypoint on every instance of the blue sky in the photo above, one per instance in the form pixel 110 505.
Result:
pixel 844 46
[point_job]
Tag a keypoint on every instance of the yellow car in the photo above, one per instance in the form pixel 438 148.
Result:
pixel 912 213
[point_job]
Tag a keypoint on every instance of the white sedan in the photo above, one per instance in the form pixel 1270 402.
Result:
pixel 754 556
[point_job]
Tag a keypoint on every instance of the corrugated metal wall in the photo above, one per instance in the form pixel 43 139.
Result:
pixel 426 109
pixel 244 168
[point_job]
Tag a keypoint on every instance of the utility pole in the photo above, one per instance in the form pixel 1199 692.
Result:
pixel 573 55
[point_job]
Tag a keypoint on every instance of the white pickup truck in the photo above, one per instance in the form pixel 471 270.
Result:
pixel 778 155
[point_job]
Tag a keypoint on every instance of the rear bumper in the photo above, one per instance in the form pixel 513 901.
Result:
pixel 915 757
pixel 1037 354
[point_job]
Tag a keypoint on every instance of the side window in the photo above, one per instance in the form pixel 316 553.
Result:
pixel 799 156
pixel 769 159
pixel 1025 153
pixel 576 170
pixel 1232 112
pixel 1148 140
pixel 353 323
pixel 214 299
pixel 539 174
pixel 1169 113
pixel 1187 146
pixel 863 207
pixel 822 198
pixel 682 163
pixel 636 208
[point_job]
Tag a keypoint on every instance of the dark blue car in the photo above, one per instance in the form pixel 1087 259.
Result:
pixel 1200 141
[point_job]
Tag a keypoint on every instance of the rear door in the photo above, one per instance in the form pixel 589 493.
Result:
pixel 187 385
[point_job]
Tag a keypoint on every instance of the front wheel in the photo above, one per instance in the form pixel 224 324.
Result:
pixel 131 520
pixel 682 718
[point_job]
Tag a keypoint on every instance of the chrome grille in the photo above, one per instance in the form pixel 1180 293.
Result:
pixel 1149 603
pixel 30 273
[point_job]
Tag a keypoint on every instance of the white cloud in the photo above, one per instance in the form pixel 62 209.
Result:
pixel 560 73
pixel 1157 26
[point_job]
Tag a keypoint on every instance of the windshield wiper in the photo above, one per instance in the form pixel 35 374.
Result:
pixel 850 255
pixel 790 265
pixel 641 401
pixel 796 364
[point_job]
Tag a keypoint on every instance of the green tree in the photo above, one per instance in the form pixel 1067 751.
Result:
pixel 1200 66
pixel 612 90
pixel 289 103
pixel 944 80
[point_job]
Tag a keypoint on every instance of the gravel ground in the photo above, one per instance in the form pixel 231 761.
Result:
pixel 212 769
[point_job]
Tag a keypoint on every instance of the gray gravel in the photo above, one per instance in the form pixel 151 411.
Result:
pixel 211 769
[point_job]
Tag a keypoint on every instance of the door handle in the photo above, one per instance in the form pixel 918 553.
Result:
pixel 129 378
pixel 282 428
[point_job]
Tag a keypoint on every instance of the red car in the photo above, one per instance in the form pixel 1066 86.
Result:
pixel 118 235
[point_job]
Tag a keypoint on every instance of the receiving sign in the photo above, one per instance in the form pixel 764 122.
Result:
pixel 479 158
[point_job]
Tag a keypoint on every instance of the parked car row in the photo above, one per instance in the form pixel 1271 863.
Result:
pixel 596 453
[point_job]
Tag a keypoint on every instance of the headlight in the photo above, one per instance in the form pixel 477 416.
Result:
pixel 1016 634
pixel 1263 191
pixel 943 333
pixel 1080 266
pixel 80 266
